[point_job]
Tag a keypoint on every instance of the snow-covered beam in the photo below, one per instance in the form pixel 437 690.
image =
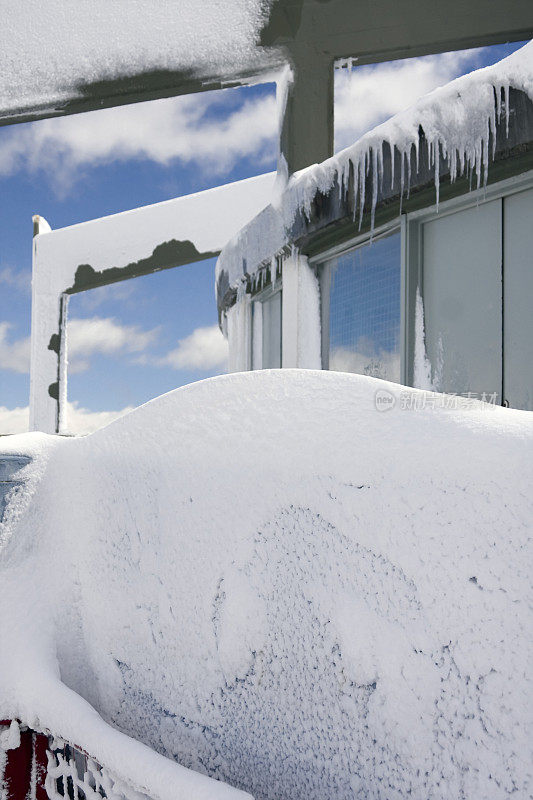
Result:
pixel 117 248
pixel 111 54
pixel 383 30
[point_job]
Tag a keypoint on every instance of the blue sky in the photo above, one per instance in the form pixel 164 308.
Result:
pixel 82 167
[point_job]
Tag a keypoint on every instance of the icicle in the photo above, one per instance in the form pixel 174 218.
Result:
pixel 346 177
pixel 486 159
pixel 506 90
pixel 478 163
pixel 453 165
pixel 340 180
pixel 392 151
pixel 493 123
pixel 374 188
pixel 430 153
pixel 498 91
pixel 436 156
pixel 409 171
pixel 416 145
pixel 380 166
pixel 362 186
pixel 355 186
pixel 462 161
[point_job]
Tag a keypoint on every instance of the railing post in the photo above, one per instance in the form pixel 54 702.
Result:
pixel 46 313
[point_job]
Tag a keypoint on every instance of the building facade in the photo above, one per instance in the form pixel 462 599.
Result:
pixel 403 268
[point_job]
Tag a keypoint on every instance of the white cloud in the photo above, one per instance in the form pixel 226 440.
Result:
pixel 204 349
pixel 86 337
pixel 180 128
pixel 16 279
pixel 80 420
pixel 14 420
pixel 14 356
pixel 369 95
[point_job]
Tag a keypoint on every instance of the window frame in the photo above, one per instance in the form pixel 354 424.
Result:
pixel 261 297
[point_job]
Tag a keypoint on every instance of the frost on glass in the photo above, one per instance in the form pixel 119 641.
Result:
pixel 364 310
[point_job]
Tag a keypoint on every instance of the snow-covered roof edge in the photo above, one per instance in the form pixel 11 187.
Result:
pixel 459 123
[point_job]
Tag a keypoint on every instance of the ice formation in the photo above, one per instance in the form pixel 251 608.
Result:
pixel 268 580
pixel 459 126
pixel 421 363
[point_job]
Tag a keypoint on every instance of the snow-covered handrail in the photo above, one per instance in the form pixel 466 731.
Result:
pixel 35 764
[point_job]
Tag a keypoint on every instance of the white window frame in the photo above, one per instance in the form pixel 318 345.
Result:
pixel 257 321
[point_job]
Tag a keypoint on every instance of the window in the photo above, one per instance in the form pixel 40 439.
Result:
pixel 361 309
pixel 477 290
pixel 266 330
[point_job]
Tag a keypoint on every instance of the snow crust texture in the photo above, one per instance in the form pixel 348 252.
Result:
pixel 68 45
pixel 269 581
pixel 459 124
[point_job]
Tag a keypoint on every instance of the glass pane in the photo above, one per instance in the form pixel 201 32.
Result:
pixel 518 300
pixel 364 310
pixel 272 332
pixel 462 290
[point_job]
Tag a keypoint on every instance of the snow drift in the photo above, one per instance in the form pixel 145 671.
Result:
pixel 268 580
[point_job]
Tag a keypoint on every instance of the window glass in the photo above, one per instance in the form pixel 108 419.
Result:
pixel 364 309
pixel 271 331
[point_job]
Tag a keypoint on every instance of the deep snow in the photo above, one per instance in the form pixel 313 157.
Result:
pixel 268 580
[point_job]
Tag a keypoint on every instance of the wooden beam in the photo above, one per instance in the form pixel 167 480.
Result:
pixel 307 125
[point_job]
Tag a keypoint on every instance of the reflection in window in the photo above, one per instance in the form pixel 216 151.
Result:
pixel 364 310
